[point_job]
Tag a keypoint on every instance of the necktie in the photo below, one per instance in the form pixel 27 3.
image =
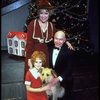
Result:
pixel 56 48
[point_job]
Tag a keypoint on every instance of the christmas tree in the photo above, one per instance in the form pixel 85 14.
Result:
pixel 72 17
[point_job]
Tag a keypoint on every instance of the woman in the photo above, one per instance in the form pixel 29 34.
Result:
pixel 40 32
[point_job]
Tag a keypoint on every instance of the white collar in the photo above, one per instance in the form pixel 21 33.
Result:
pixel 34 72
pixel 41 26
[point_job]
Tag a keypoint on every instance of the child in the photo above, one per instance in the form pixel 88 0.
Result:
pixel 33 82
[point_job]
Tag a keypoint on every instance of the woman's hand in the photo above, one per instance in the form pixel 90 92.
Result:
pixel 70 46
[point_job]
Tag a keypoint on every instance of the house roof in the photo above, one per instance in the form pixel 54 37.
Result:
pixel 19 35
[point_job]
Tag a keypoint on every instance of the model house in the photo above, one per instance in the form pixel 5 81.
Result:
pixel 16 42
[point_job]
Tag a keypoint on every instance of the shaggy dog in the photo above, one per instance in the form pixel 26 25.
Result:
pixel 56 90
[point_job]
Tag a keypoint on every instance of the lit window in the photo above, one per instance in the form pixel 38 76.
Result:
pixel 10 50
pixel 10 42
pixel 22 44
pixel 23 52
pixel 16 51
pixel 16 43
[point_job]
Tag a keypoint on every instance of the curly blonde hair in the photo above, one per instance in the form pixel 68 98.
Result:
pixel 38 54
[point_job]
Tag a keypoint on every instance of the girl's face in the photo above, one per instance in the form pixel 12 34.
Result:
pixel 38 63
pixel 43 15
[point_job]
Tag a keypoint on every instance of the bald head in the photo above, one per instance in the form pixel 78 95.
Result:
pixel 60 34
pixel 59 38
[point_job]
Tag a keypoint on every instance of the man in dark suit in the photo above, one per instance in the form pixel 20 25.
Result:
pixel 60 60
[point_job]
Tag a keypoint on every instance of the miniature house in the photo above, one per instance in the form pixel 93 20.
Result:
pixel 16 42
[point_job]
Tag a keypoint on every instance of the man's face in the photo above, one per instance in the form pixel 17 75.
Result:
pixel 59 39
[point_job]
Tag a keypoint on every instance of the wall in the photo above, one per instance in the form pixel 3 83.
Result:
pixel 93 23
pixel 13 21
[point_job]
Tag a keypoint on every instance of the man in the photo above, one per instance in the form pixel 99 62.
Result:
pixel 60 60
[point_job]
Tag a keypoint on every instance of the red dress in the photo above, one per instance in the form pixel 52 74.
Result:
pixel 34 80
pixel 34 33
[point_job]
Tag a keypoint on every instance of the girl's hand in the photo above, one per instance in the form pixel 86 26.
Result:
pixel 47 87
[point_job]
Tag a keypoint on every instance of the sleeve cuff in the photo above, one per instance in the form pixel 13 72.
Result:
pixel 60 78
pixel 27 83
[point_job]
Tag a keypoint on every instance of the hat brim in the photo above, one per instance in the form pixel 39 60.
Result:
pixel 44 7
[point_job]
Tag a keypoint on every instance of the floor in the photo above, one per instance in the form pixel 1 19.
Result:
pixel 85 77
pixel 12 71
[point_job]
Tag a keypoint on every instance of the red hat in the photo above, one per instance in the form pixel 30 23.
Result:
pixel 44 4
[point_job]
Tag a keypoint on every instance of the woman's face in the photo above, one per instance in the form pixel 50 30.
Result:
pixel 38 63
pixel 43 15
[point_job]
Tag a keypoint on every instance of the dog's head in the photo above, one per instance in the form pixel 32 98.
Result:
pixel 47 75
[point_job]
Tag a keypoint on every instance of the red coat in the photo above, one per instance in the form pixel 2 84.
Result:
pixel 34 32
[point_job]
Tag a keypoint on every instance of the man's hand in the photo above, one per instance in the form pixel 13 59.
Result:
pixel 70 46
pixel 54 81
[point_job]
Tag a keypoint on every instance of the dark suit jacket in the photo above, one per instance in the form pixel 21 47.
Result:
pixel 63 63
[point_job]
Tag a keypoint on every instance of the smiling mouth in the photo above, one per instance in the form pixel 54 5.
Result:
pixel 44 19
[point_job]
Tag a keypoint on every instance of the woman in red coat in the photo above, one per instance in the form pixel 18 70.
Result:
pixel 39 32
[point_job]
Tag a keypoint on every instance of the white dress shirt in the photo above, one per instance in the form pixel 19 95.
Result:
pixel 54 56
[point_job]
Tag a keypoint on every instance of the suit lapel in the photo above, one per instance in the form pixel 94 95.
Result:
pixel 60 55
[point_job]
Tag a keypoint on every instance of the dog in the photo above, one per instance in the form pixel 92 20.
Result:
pixel 56 90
